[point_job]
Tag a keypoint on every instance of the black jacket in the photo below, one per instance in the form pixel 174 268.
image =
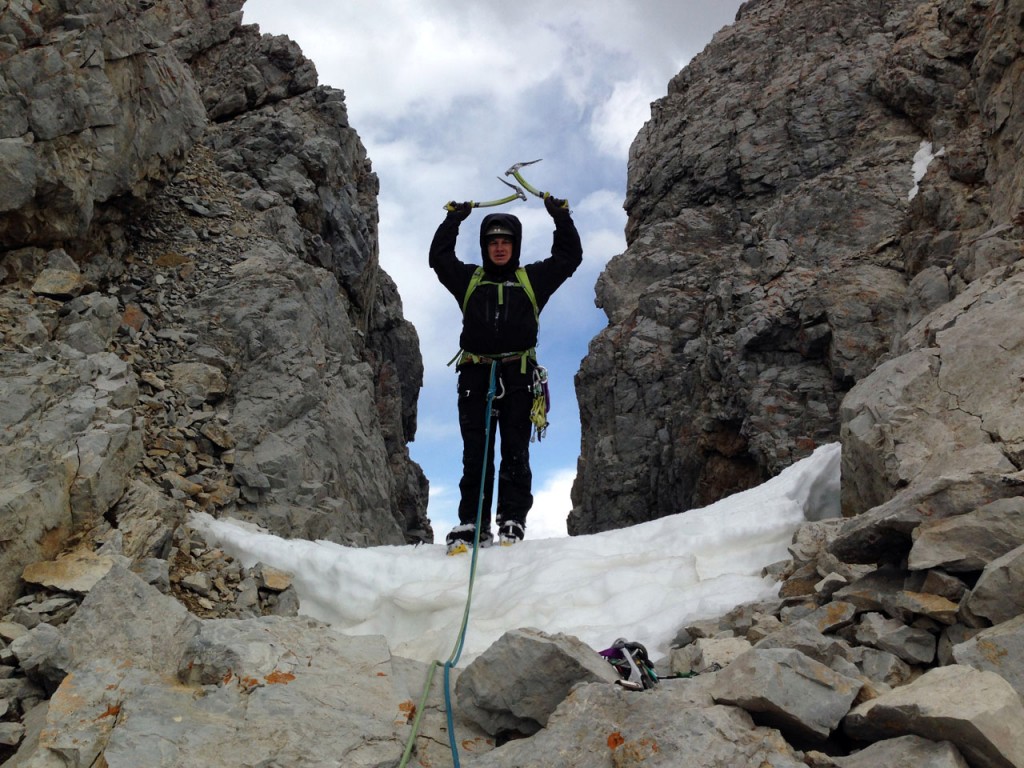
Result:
pixel 490 327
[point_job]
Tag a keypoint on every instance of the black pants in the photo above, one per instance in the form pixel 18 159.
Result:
pixel 510 416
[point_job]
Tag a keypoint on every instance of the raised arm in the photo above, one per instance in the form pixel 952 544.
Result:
pixel 450 271
pixel 566 252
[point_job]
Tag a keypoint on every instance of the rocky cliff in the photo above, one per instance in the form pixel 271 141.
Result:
pixel 780 251
pixel 192 317
pixel 192 311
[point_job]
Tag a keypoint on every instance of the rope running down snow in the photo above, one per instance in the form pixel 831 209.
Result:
pixel 453 659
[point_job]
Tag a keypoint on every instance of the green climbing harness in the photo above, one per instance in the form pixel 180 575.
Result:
pixel 523 281
pixel 539 386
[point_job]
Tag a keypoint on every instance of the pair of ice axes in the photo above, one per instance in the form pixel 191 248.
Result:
pixel 514 171
pixel 517 195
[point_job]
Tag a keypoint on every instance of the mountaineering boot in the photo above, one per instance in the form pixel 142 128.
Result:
pixel 510 533
pixel 460 539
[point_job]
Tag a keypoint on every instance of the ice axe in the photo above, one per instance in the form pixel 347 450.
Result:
pixel 514 171
pixel 517 195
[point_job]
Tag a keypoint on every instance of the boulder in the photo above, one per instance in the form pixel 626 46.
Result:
pixel 122 618
pixel 915 646
pixel 999 649
pixel 76 571
pixel 977 711
pixel 804 636
pixel 787 690
pixel 518 682
pixel 604 725
pixel 998 594
pixel 970 541
pixel 905 752
pixel 706 654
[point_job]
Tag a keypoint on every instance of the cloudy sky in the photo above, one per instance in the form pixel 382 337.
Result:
pixel 446 97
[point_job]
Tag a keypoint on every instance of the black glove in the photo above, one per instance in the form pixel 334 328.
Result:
pixel 555 205
pixel 459 211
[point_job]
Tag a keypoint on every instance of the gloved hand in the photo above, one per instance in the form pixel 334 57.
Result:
pixel 459 211
pixel 555 205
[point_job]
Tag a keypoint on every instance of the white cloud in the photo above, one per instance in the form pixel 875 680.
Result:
pixel 551 506
pixel 617 121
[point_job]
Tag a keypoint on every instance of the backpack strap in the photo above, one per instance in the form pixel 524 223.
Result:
pixel 474 281
pixel 522 278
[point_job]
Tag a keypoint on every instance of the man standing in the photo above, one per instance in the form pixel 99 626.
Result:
pixel 500 310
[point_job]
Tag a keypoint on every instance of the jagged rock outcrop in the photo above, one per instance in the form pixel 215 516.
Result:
pixel 776 256
pixel 192 312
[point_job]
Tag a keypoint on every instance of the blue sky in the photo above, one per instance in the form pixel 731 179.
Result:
pixel 446 97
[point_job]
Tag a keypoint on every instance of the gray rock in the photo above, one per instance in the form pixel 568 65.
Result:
pixel 10 630
pixel 721 293
pixel 883 534
pixel 952 636
pixel 605 725
pixel 832 616
pixel 976 711
pixel 11 734
pixel 999 649
pixel 286 690
pixel 804 636
pixel 882 666
pixel 905 752
pixel 40 655
pixel 198 382
pixel 910 605
pixel 787 690
pixel 969 542
pixel 72 106
pixel 874 591
pixel 915 646
pixel 999 593
pixel 122 618
pixel 706 654
pixel 518 682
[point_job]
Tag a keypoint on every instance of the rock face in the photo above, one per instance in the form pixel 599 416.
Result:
pixel 192 317
pixel 783 251
pixel 192 314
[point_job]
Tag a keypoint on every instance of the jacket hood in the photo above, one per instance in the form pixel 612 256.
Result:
pixel 510 221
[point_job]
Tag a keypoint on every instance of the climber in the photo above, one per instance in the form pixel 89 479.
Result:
pixel 501 307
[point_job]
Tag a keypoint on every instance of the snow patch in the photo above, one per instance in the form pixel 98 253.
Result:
pixel 644 582
pixel 922 159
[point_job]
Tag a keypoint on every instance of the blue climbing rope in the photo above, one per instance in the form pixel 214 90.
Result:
pixel 453 659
